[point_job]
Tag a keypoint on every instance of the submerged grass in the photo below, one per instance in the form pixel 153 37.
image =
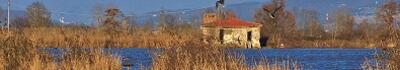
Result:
pixel 394 59
pixel 24 51
pixel 387 60
pixel 89 59
pixel 92 37
pixel 208 58
pixel 19 53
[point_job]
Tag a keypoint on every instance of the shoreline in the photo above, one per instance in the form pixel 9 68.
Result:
pixel 54 37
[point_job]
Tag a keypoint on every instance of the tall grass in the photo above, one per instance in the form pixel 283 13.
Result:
pixel 98 37
pixel 393 59
pixel 89 59
pixel 387 60
pixel 18 52
pixel 87 37
pixel 208 58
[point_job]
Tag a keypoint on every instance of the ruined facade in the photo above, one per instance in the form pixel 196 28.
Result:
pixel 222 27
pixel 230 31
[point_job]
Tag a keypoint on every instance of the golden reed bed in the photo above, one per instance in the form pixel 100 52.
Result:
pixel 21 50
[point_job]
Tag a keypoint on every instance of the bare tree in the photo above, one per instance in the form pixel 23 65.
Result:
pixel 38 15
pixel 148 26
pixel 311 25
pixel 362 29
pixel 98 14
pixel 20 22
pixel 269 15
pixel 113 18
pixel 128 22
pixel 277 22
pixel 166 21
pixel 288 26
pixel 385 14
pixel 344 23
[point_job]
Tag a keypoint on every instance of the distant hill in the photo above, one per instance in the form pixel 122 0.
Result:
pixel 14 13
pixel 244 11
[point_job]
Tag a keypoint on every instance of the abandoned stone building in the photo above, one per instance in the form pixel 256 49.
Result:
pixel 220 28
pixel 230 31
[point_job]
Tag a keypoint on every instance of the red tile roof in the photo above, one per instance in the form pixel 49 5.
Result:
pixel 230 22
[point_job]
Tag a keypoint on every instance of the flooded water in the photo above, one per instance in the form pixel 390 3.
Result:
pixel 309 58
pixel 315 59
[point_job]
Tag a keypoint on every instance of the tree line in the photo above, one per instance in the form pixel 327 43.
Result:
pixel 280 26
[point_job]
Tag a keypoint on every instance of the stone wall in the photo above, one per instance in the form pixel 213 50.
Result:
pixel 233 36
pixel 255 43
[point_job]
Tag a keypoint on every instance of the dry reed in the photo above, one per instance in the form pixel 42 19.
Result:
pixel 208 58
pixel 65 37
pixel 89 59
pixel 97 37
pixel 18 52
pixel 387 60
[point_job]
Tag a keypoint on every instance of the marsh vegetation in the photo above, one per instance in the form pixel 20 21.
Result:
pixel 21 47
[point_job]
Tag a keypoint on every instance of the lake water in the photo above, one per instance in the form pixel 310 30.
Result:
pixel 308 58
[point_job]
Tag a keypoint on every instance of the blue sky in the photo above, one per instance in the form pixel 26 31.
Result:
pixel 134 6
pixel 81 10
pixel 85 7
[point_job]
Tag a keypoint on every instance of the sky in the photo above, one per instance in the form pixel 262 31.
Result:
pixel 134 6
pixel 84 8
